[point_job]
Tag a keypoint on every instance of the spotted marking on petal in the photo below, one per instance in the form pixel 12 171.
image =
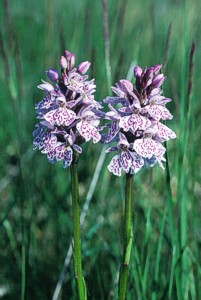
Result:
pixel 147 148
pixel 159 112
pixel 125 160
pixel 46 103
pixel 61 116
pixel 68 157
pixel 137 162
pixel 134 123
pixel 56 153
pixel 115 166
pixel 87 131
pixel 44 141
pixel 112 132
pixel 164 132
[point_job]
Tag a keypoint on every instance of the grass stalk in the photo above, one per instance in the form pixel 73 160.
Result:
pixel 107 44
pixel 128 238
pixel 80 283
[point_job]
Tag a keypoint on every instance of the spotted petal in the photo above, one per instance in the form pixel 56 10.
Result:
pixel 47 102
pixel 112 132
pixel 61 116
pixel 68 157
pixel 158 112
pixel 87 131
pixel 44 141
pixel 164 132
pixel 56 153
pixel 146 147
pixel 115 166
pixel 137 162
pixel 134 122
pixel 125 160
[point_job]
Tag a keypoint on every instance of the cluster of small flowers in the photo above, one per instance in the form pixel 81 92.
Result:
pixel 68 114
pixel 135 125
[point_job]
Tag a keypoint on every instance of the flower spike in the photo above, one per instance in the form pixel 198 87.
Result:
pixel 136 114
pixel 68 113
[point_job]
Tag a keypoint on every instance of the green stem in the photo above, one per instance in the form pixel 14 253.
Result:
pixel 128 237
pixel 80 283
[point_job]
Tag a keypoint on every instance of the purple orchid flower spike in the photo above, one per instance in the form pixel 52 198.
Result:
pixel 136 114
pixel 68 114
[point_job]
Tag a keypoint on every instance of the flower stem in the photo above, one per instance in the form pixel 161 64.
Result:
pixel 128 237
pixel 80 283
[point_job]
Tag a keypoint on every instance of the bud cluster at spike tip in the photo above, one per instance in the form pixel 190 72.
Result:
pixel 68 114
pixel 136 127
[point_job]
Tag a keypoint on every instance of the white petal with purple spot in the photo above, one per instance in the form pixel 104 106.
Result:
pixel 134 122
pixel 115 166
pixel 87 131
pixel 137 162
pixel 60 116
pixel 125 160
pixel 146 147
pixel 158 112
pixel 164 132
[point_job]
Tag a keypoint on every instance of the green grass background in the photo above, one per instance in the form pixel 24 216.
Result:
pixel 35 206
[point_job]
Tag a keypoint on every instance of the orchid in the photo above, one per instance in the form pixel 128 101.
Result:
pixel 136 116
pixel 68 114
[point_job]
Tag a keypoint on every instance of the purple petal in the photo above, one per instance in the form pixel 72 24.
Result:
pixel 77 148
pixel 83 67
pixel 111 149
pixel 115 100
pixel 158 80
pixel 125 85
pixel 45 86
pixel 52 74
pixel 68 157
pixel 113 131
pixel 137 72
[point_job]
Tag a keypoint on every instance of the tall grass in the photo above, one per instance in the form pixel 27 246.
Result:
pixel 35 229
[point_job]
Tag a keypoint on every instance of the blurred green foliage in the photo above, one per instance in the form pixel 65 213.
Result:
pixel 35 207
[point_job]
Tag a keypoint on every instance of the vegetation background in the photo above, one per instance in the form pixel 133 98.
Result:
pixel 35 206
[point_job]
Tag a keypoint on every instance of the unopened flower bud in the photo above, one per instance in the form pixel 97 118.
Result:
pixel 137 72
pixel 149 72
pixel 46 86
pixel 67 55
pixel 72 61
pixel 125 85
pixel 156 68
pixel 83 67
pixel 52 74
pixel 158 80
pixel 63 62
